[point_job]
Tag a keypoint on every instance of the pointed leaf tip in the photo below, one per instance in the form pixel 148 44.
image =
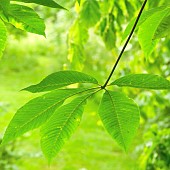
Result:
pixel 120 116
pixel 61 126
pixel 36 112
pixel 146 81
pixel 61 79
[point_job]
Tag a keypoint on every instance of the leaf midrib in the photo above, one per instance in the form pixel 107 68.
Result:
pixel 69 117
pixel 119 125
pixel 47 109
pixel 57 84
pixel 22 21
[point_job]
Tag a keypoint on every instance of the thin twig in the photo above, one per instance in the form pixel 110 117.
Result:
pixel 125 45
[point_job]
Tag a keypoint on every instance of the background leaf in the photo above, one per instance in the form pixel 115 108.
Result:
pixel 163 29
pixel 79 1
pixel 145 15
pixel 36 112
pixel 61 126
pixel 77 37
pixel 90 13
pixel 76 56
pixel 3 37
pixel 48 3
pixel 61 79
pixel 25 18
pixel 147 81
pixel 109 38
pixel 147 30
pixel 120 116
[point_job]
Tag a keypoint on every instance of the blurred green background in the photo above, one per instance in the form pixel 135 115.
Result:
pixel 28 58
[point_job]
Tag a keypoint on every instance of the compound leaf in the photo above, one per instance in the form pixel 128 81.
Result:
pixel 25 18
pixel 3 37
pixel 120 116
pixel 36 112
pixel 147 81
pixel 61 126
pixel 61 79
pixel 48 3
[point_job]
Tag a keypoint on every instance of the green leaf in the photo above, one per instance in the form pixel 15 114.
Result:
pixel 90 13
pixel 61 79
pixel 109 38
pixel 130 8
pixel 120 116
pixel 25 18
pixel 36 112
pixel 78 33
pixel 147 30
pixel 3 37
pixel 147 81
pixel 4 5
pixel 61 126
pixel 145 15
pixel 79 1
pixel 163 29
pixel 76 56
pixel 48 3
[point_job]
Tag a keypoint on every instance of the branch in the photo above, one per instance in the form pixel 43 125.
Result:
pixel 125 45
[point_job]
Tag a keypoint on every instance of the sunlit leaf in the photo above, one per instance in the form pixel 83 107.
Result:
pixel 48 3
pixel 78 36
pixel 3 37
pixel 147 81
pixel 109 38
pixel 120 116
pixel 25 18
pixel 36 112
pixel 61 79
pixel 78 33
pixel 4 5
pixel 90 13
pixel 61 126
pixel 147 30
pixel 145 15
pixel 76 56
pixel 163 29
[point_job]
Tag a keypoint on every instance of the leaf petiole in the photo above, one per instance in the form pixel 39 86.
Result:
pixel 125 45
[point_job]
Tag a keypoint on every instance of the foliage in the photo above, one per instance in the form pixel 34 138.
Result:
pixel 8 157
pixel 107 19
pixel 156 150
pixel 122 127
pixel 120 115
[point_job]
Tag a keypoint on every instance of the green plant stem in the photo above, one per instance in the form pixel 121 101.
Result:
pixel 125 45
